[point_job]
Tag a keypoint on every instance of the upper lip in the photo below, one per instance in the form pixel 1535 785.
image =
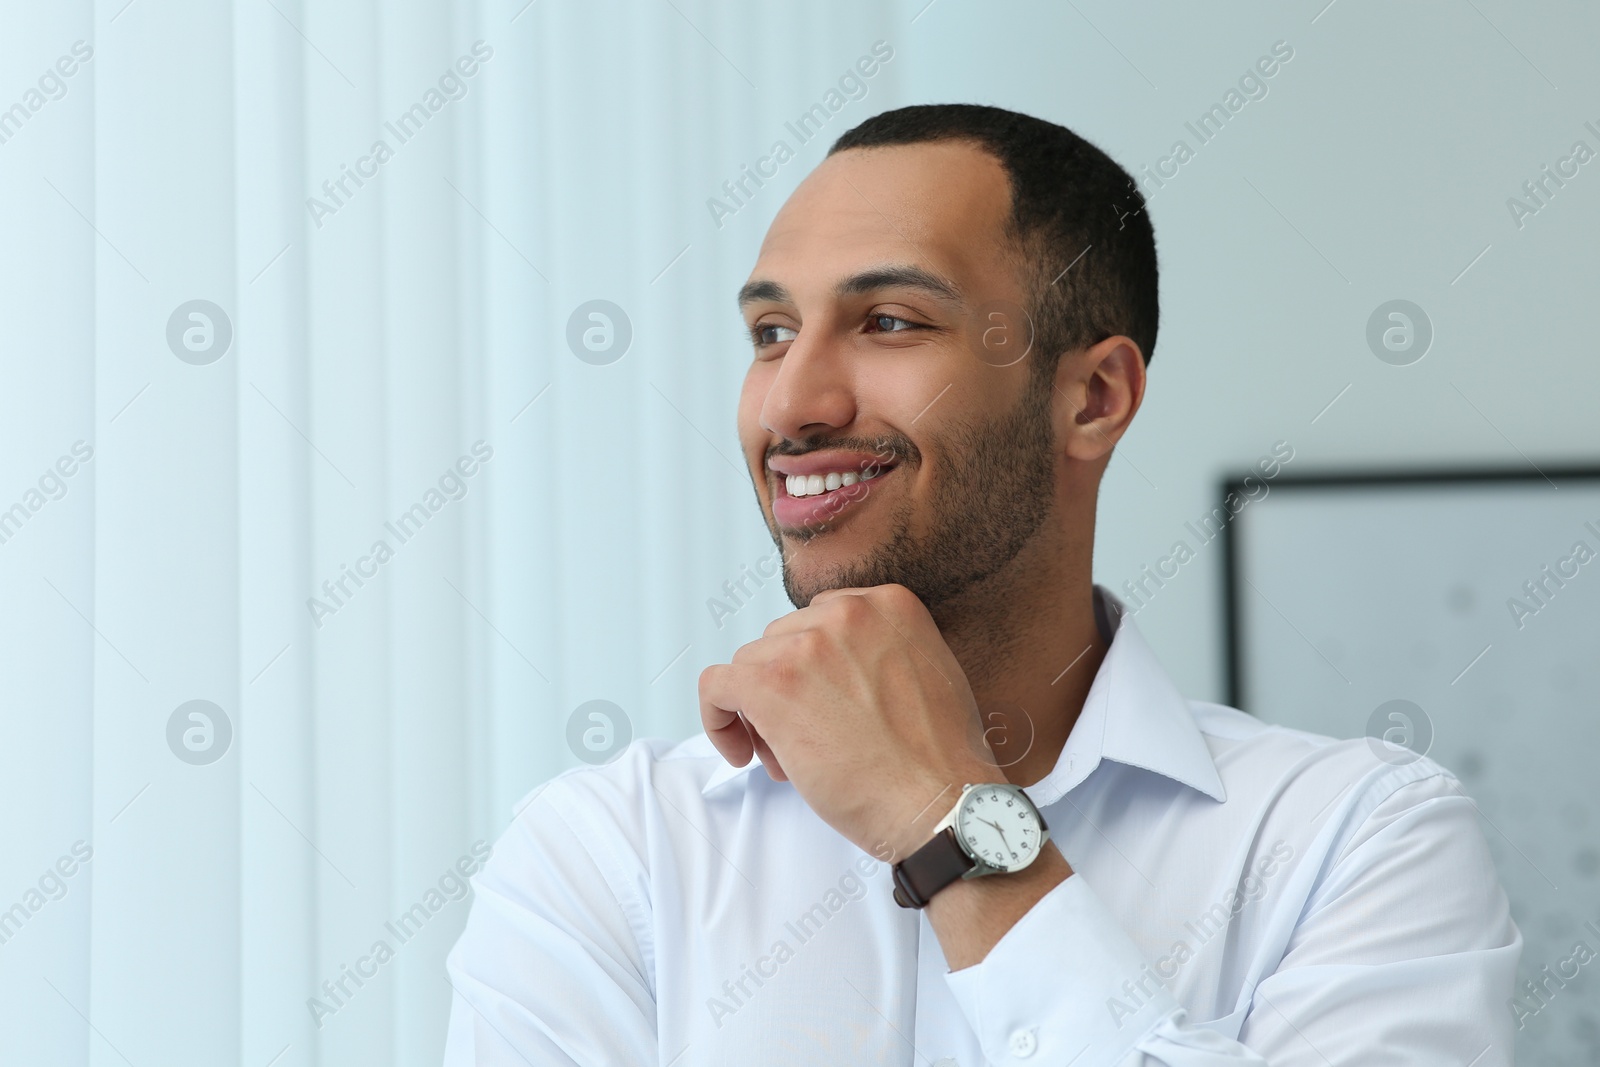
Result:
pixel 825 461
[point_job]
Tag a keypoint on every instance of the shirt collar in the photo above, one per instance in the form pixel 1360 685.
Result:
pixel 1133 715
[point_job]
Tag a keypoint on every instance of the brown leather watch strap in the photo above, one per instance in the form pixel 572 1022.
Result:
pixel 929 869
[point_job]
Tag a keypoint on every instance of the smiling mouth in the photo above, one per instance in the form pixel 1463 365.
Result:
pixel 807 485
pixel 814 499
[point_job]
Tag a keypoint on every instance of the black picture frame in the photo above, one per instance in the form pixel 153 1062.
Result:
pixel 1334 480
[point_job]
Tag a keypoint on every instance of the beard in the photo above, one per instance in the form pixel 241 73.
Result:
pixel 991 492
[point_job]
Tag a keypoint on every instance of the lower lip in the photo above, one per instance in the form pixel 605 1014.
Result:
pixel 824 508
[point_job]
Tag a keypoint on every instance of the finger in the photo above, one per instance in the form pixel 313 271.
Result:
pixel 831 594
pixel 793 622
pixel 891 599
pixel 806 618
pixel 725 691
pixel 768 759
pixel 720 703
pixel 763 650
pixel 758 651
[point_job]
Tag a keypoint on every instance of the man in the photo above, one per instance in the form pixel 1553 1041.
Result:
pixel 951 320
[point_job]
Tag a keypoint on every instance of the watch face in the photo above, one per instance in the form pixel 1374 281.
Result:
pixel 999 828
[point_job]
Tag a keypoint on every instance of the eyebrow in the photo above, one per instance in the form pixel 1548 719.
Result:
pixel 898 276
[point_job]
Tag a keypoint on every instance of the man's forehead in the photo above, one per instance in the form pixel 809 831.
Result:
pixel 941 207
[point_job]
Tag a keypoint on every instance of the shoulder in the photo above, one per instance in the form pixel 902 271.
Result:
pixel 650 773
pixel 1299 775
pixel 1270 750
pixel 604 823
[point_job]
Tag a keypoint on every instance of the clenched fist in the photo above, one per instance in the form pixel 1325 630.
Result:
pixel 857 700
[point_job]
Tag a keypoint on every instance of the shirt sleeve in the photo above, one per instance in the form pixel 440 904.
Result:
pixel 1404 953
pixel 550 968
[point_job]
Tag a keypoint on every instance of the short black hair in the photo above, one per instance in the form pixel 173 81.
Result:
pixel 1069 202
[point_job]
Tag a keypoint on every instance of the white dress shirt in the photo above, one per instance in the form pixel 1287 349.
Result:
pixel 1242 894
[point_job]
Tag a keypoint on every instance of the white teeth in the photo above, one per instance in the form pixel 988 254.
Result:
pixel 813 484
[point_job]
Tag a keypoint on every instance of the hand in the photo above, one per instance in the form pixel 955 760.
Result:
pixel 858 701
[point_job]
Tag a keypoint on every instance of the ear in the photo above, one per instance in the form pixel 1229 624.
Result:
pixel 1097 392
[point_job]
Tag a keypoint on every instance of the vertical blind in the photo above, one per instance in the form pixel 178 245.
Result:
pixel 320 528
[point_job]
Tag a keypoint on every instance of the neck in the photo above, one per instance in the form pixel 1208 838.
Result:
pixel 1027 639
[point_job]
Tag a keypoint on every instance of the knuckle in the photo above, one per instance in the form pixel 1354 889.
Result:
pixel 853 609
pixel 809 644
pixel 898 597
pixel 781 676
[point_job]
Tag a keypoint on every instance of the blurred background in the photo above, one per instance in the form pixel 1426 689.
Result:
pixel 367 378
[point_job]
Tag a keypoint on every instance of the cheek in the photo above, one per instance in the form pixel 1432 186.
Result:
pixel 903 384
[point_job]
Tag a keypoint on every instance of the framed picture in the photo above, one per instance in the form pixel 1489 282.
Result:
pixel 1454 614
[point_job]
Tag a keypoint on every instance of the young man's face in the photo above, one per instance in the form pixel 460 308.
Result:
pixel 889 418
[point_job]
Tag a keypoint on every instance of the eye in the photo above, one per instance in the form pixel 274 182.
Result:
pixel 889 324
pixel 769 333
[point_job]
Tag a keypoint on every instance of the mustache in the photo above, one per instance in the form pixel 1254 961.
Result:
pixel 889 447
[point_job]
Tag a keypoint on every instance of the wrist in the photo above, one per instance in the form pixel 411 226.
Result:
pixel 1046 872
pixel 928 805
pixel 971 916
pixel 992 829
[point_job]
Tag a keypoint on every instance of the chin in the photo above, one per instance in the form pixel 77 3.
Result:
pixel 801 588
pixel 822 563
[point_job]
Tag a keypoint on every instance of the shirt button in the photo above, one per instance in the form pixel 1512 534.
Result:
pixel 1023 1043
pixel 946 1062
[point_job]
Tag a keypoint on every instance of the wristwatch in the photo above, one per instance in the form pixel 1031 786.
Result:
pixel 993 829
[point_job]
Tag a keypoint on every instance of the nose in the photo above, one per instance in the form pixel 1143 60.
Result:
pixel 813 391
